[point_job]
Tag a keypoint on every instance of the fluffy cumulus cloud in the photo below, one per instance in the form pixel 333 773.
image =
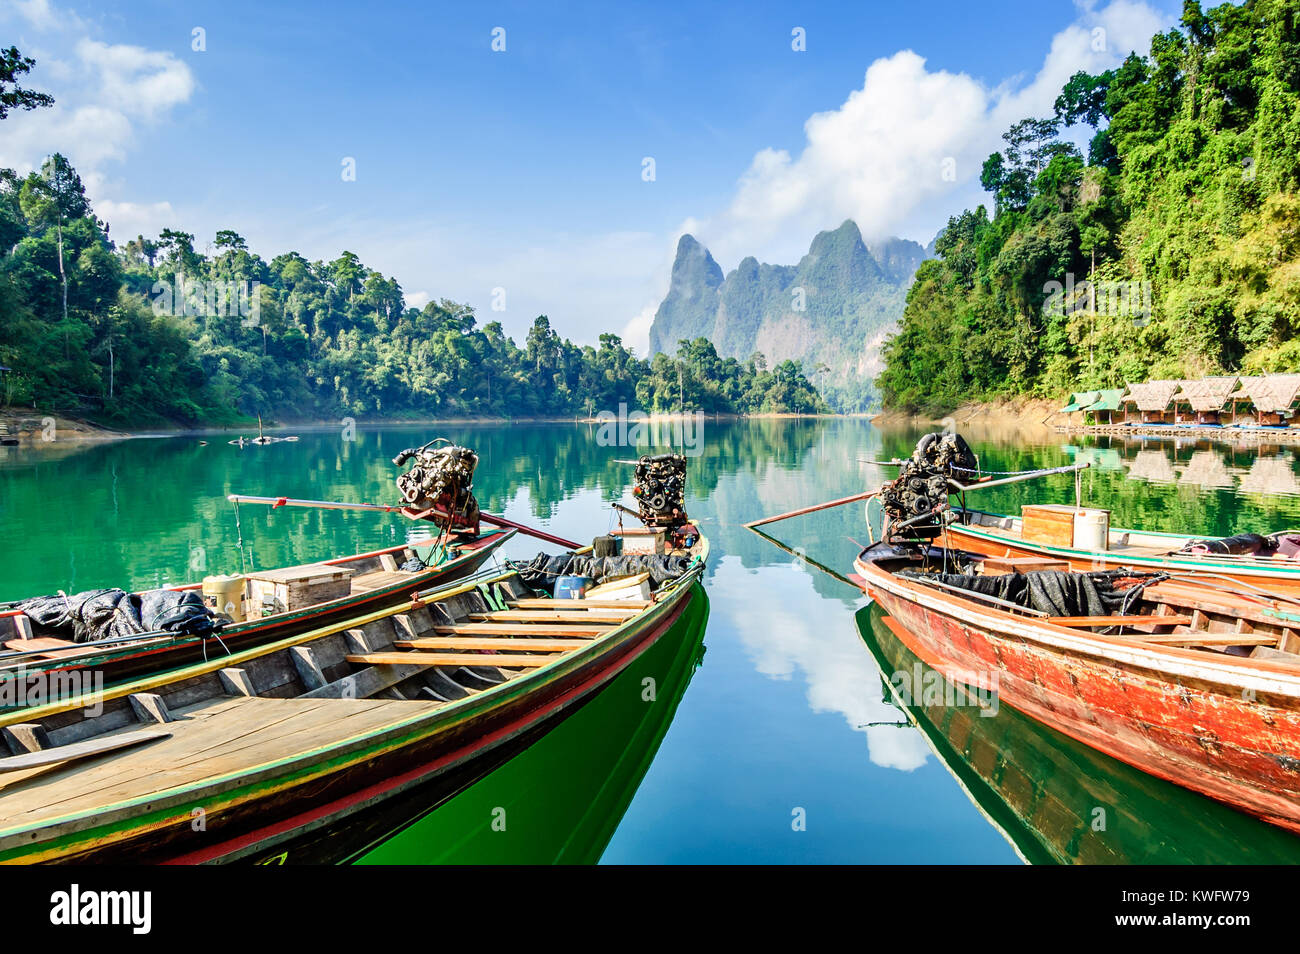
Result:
pixel 104 93
pixel 904 151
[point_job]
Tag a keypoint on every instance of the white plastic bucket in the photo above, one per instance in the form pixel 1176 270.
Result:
pixel 1092 530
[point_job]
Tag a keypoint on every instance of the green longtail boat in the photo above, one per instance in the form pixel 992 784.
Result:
pixel 311 748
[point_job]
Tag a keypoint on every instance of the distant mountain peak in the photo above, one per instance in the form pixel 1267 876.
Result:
pixel 834 307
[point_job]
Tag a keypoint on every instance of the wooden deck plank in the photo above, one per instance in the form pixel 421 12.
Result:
pixel 500 643
pixel 452 659
pixel 514 629
pixel 563 616
pixel 532 603
pixel 243 731
pixel 80 750
pixel 1119 620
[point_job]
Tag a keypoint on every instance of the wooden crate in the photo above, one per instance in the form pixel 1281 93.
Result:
pixel 997 566
pixel 1052 524
pixel 295 587
pixel 641 540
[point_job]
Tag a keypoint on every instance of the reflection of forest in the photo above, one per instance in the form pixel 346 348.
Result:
pixel 148 512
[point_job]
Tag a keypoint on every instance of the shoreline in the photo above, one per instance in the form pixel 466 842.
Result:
pixel 26 426
pixel 987 418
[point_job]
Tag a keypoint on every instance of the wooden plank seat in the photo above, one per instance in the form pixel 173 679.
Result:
pixel 1201 638
pixel 377 579
pixel 1089 621
pixel 39 643
pixel 451 659
pixel 502 643
pixel 590 630
pixel 543 603
pixel 536 616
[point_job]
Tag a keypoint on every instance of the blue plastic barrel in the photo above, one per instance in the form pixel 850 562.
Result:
pixel 571 587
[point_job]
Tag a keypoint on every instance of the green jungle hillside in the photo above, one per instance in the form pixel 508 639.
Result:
pixel 1169 250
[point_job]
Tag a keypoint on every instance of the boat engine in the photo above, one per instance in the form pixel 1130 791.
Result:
pixel 914 502
pixel 660 490
pixel 441 481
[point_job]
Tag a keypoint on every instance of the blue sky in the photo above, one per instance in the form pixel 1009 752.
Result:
pixel 523 169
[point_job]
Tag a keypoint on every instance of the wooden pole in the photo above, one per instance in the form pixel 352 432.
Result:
pixel 491 518
pixel 803 510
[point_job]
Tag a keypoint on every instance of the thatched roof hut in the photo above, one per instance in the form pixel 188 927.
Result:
pixel 1152 395
pixel 1272 393
pixel 1208 394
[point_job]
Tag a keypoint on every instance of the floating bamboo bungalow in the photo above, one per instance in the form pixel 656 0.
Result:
pixel 1106 409
pixel 1151 402
pixel 1273 398
pixel 1206 400
pixel 1080 401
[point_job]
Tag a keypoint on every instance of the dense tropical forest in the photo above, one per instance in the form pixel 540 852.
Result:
pixel 1171 250
pixel 151 330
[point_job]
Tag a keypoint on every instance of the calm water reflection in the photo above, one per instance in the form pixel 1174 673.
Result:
pixel 785 718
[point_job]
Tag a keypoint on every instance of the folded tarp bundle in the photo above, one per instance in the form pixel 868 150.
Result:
pixel 543 570
pixel 1050 591
pixel 107 614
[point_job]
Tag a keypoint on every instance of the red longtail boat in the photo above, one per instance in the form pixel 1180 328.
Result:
pixel 1194 682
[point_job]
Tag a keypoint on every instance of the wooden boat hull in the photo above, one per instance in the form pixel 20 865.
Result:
pixel 584 766
pixel 1056 800
pixel 35 682
pixel 261 811
pixel 1271 575
pixel 1227 730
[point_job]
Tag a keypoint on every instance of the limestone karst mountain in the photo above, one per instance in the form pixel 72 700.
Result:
pixel 834 308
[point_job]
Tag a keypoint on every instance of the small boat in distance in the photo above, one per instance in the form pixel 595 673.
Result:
pixel 277 744
pixel 1196 683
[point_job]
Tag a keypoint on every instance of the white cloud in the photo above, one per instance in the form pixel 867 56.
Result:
pixel 841 675
pixel 129 219
pixel 104 93
pixel 881 157
pixel 135 80
pixel 41 15
pixel 636 333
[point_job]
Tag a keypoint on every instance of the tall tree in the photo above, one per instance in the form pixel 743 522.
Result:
pixel 12 96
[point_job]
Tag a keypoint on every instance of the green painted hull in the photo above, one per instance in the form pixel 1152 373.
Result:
pixel 560 801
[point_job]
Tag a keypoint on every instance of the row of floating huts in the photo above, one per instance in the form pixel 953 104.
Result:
pixel 1270 401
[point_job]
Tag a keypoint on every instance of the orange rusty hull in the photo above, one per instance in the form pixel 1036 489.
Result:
pixel 1228 729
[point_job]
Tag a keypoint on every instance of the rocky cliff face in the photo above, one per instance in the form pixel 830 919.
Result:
pixel 834 308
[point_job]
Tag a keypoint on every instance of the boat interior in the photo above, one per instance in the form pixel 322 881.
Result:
pixel 301 693
pixel 1225 617
pixel 258 596
pixel 1124 542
